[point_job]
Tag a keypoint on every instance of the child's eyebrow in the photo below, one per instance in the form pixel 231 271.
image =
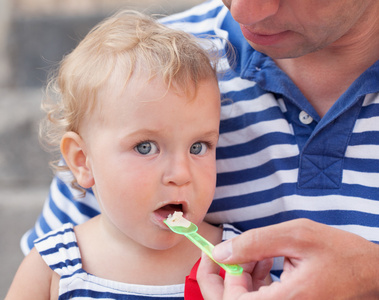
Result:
pixel 140 132
pixel 147 131
pixel 211 134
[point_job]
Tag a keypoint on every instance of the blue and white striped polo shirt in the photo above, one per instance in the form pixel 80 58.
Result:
pixel 277 159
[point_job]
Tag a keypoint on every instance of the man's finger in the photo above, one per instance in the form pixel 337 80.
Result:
pixel 261 273
pixel 235 289
pixel 210 282
pixel 237 286
pixel 282 239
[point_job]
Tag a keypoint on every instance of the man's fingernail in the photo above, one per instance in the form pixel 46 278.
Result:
pixel 223 251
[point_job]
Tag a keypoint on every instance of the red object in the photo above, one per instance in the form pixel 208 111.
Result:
pixel 191 287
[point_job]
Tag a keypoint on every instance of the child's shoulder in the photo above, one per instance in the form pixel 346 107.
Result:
pixel 34 279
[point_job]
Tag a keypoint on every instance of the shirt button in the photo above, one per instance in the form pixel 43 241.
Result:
pixel 305 118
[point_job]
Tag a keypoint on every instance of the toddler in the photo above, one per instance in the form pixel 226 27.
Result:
pixel 136 118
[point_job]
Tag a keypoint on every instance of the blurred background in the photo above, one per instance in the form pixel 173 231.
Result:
pixel 34 35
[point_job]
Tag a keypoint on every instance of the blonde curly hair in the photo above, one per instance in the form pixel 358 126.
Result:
pixel 126 41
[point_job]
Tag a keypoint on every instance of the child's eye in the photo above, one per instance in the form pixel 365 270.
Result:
pixel 146 148
pixel 199 148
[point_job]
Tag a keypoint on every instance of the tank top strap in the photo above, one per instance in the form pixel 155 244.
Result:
pixel 59 249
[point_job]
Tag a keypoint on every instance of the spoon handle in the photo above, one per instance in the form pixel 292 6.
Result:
pixel 207 247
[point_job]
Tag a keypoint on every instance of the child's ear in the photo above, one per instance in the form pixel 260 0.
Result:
pixel 74 154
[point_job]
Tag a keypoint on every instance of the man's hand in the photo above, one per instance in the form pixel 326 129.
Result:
pixel 321 262
pixel 255 275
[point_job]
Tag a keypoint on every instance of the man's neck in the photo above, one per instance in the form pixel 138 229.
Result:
pixel 323 76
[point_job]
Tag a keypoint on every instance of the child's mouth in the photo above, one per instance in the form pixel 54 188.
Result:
pixel 164 211
pixel 169 209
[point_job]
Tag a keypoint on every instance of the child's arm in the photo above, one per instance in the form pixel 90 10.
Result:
pixel 33 279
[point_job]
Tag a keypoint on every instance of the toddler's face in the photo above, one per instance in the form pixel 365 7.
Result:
pixel 151 152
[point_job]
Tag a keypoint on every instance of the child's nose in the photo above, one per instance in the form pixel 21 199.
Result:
pixel 178 171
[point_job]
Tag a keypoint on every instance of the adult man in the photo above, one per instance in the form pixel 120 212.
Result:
pixel 298 140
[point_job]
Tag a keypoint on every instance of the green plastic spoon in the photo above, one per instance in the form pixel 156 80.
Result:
pixel 191 233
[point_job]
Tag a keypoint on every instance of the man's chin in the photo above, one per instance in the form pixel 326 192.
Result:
pixel 278 53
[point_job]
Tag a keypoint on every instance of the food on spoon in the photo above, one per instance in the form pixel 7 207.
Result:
pixel 177 219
